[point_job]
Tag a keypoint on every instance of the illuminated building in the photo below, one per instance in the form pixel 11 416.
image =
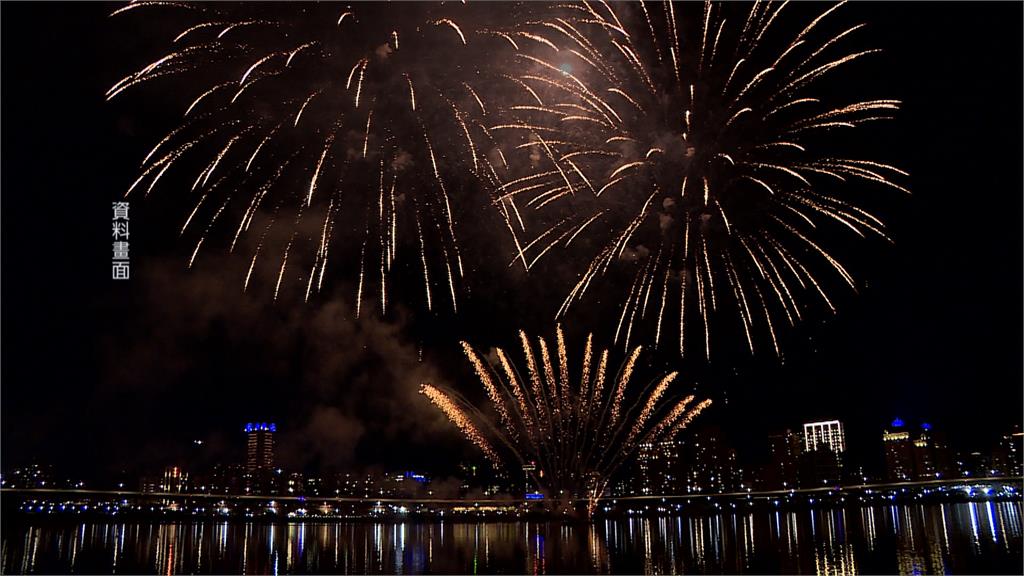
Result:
pixel 227 479
pixel 782 470
pixel 929 452
pixel 482 476
pixel 260 446
pixel 260 476
pixel 710 466
pixel 313 485
pixel 828 434
pixel 1016 441
pixel 974 465
pixel 528 470
pixel 174 480
pixel 659 468
pixel 909 457
pixel 296 484
pixel 31 476
pixel 899 453
pixel 1006 457
pixel 821 463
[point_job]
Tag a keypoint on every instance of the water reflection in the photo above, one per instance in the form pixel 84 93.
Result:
pixel 911 539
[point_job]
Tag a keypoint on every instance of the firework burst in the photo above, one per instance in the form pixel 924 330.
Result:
pixel 329 135
pixel 697 144
pixel 577 430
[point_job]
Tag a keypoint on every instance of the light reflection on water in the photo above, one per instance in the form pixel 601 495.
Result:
pixel 907 539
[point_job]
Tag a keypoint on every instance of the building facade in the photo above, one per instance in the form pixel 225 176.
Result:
pixel 899 452
pixel 260 476
pixel 1006 457
pixel 821 463
pixel 174 480
pixel 710 465
pixel 782 470
pixel 259 446
pixel 915 455
pixel 659 470
pixel 828 434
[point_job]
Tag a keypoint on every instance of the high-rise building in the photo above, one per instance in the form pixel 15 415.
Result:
pixel 920 456
pixel 226 479
pixel 821 463
pixel 710 465
pixel 927 464
pixel 941 453
pixel 260 476
pixel 899 453
pixel 659 470
pixel 174 480
pixel 1006 457
pixel 784 459
pixel 700 464
pixel 974 465
pixel 818 435
pixel 529 469
pixel 296 484
pixel 259 446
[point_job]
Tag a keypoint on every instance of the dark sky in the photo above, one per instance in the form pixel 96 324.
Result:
pixel 99 375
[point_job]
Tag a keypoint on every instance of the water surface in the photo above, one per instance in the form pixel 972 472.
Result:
pixel 975 538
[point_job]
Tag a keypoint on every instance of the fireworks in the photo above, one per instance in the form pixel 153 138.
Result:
pixel 694 148
pixel 695 143
pixel 330 136
pixel 578 432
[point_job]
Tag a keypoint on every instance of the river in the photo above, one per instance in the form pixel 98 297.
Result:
pixel 964 538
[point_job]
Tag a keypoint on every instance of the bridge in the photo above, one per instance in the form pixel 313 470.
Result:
pixel 839 489
pixel 1003 484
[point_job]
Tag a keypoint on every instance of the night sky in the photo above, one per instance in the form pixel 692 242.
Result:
pixel 100 376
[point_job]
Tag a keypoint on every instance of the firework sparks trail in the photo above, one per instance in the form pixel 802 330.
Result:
pixel 578 433
pixel 730 129
pixel 460 418
pixel 340 104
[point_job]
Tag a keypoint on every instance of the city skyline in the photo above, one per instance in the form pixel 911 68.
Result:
pixel 703 462
pixel 922 337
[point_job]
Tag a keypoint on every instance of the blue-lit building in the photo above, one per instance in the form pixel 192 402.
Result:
pixel 899 452
pixel 259 462
pixel 915 455
pixel 259 446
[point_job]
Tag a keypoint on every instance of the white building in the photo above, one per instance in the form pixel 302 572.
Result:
pixel 828 434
